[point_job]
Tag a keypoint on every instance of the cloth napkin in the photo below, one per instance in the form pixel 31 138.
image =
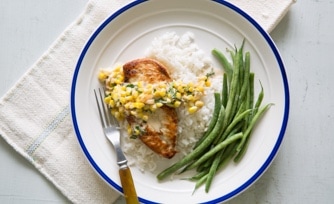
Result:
pixel 35 117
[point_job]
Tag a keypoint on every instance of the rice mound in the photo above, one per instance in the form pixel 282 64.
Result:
pixel 185 61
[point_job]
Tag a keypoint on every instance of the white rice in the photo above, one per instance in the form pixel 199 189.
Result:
pixel 185 61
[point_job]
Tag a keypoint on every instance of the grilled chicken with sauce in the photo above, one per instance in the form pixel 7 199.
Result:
pixel 160 131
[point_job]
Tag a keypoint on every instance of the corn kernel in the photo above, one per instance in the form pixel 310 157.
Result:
pixel 107 99
pixel 207 83
pixel 159 105
pixel 117 115
pixel 127 105
pixel 111 103
pixel 145 117
pixel 177 84
pixel 136 131
pixel 114 95
pixel 177 104
pixel 139 105
pixel 102 76
pixel 190 104
pixel 202 78
pixel 117 68
pixel 121 109
pixel 192 109
pixel 162 85
pixel 199 104
pixel 168 100
pixel 113 111
pixel 190 98
pixel 148 90
pixel 153 107
pixel 135 94
pixel 156 94
pixel 200 88
pixel 180 89
pixel 162 92
pixel 178 95
pixel 117 81
pixel 122 100
pixel 129 130
pixel 129 98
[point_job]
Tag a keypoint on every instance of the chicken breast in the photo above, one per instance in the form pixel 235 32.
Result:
pixel 160 131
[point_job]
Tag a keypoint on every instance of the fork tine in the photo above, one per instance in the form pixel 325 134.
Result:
pixel 99 108
pixel 105 111
pixel 114 121
pixel 111 120
pixel 105 116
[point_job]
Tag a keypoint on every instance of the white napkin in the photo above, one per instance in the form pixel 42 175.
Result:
pixel 34 114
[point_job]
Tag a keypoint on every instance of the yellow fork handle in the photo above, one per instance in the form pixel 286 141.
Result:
pixel 128 186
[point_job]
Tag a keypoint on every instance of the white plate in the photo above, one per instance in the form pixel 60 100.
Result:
pixel 216 24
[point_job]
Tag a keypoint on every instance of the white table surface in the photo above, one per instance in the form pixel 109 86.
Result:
pixel 303 171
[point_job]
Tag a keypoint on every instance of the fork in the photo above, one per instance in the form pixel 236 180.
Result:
pixel 111 130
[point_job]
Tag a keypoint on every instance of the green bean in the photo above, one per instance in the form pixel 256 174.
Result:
pixel 241 68
pixel 256 117
pixel 224 90
pixel 259 100
pixel 232 92
pixel 225 154
pixel 214 119
pixel 224 62
pixel 244 142
pixel 242 152
pixel 230 152
pixel 235 120
pixel 245 83
pixel 201 167
pixel 241 109
pixel 200 182
pixel 250 99
pixel 215 149
pixel 232 54
pixel 227 150
pixel 230 127
pixel 251 89
pixel 234 108
pixel 213 170
pixel 222 161
pixel 186 167
pixel 198 176
pixel 205 165
pixel 197 151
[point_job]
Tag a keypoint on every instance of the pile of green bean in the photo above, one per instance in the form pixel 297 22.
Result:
pixel 233 120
